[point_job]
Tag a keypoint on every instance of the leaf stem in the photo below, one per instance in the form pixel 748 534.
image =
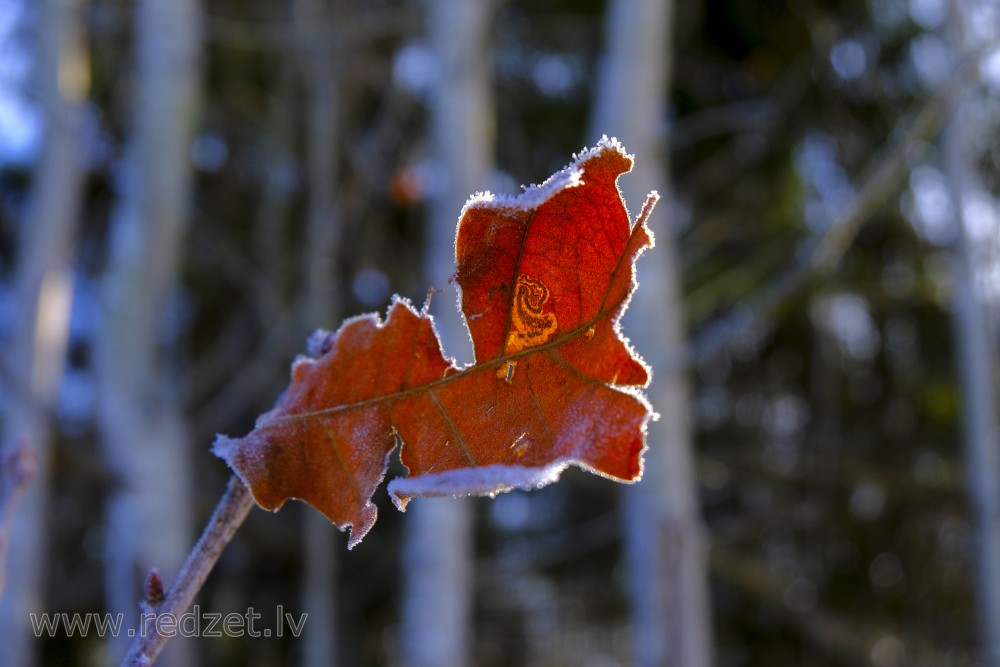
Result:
pixel 229 514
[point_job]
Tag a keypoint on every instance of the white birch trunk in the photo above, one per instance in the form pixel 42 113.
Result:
pixel 143 432
pixel 44 285
pixel 977 366
pixel 664 537
pixel 321 305
pixel 437 557
pixel 976 363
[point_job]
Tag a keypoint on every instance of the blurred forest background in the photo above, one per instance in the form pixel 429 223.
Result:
pixel 189 187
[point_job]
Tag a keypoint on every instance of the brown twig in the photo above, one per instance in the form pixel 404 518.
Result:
pixel 17 469
pixel 229 514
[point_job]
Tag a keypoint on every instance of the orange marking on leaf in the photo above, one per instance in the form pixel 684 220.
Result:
pixel 545 278
pixel 530 323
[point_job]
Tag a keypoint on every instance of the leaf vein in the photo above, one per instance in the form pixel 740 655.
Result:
pixel 454 429
pixel 351 477
pixel 606 310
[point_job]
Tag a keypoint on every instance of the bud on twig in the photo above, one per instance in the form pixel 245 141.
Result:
pixel 153 588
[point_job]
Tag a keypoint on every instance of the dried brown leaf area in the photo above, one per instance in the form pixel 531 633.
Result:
pixel 545 278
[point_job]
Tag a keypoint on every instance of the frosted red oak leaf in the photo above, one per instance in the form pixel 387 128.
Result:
pixel 544 278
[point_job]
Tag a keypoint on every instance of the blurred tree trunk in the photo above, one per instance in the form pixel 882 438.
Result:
pixel 143 431
pixel 44 286
pixel 321 304
pixel 665 542
pixel 977 368
pixel 437 557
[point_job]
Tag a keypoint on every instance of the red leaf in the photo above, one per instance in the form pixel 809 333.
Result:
pixel 544 278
